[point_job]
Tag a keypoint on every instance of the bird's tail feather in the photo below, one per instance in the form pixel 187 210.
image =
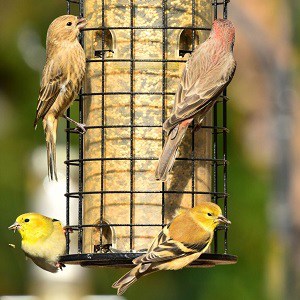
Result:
pixel 169 152
pixel 132 276
pixel 50 133
pixel 35 123
pixel 126 281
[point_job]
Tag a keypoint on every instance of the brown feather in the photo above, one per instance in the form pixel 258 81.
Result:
pixel 61 81
pixel 207 73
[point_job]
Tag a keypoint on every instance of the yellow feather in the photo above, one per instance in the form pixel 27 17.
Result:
pixel 178 244
pixel 43 239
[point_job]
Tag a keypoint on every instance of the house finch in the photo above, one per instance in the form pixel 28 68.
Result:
pixel 207 73
pixel 178 244
pixel 43 240
pixel 61 80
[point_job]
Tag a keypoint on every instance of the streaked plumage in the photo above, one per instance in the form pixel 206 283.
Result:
pixel 178 244
pixel 61 80
pixel 43 240
pixel 207 73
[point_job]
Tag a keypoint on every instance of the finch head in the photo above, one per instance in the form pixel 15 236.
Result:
pixel 209 215
pixel 223 29
pixel 65 28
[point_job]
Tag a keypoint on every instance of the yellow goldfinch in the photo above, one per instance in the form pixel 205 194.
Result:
pixel 43 240
pixel 178 244
pixel 61 80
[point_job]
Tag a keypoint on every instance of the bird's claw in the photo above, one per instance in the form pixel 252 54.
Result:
pixel 79 129
pixel 68 229
pixel 60 266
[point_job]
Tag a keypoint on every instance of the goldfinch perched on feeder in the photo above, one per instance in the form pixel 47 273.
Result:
pixel 207 73
pixel 178 244
pixel 61 80
pixel 43 240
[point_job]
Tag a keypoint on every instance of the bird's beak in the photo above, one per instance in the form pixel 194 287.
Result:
pixel 222 219
pixel 14 226
pixel 81 22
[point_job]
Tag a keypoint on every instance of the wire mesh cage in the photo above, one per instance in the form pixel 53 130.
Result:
pixel 135 54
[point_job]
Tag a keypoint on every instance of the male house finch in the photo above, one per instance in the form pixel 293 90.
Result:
pixel 43 240
pixel 61 80
pixel 178 244
pixel 207 73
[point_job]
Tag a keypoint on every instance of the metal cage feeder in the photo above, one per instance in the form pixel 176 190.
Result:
pixel 135 53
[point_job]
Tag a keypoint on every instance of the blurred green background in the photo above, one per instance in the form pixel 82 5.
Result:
pixel 263 167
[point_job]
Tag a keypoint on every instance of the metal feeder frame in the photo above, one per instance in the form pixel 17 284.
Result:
pixel 218 160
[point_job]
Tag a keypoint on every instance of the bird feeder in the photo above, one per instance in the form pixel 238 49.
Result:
pixel 136 51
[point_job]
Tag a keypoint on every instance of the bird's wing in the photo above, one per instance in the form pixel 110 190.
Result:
pixel 43 263
pixel 161 238
pixel 50 88
pixel 199 86
pixel 170 250
pixel 165 249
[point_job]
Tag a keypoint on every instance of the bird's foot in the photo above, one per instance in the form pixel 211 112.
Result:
pixel 60 266
pixel 68 229
pixel 80 129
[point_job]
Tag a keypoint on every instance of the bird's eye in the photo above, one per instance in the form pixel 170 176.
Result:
pixel 209 214
pixel 26 220
pixel 69 23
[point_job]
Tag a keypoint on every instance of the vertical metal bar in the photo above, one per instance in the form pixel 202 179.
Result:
pixel 131 119
pixel 68 187
pixel 68 167
pixel 225 166
pixel 193 24
pixel 215 5
pixel 164 64
pixel 103 125
pixel 225 9
pixel 193 124
pixel 225 149
pixel 68 7
pixel 215 147
pixel 80 171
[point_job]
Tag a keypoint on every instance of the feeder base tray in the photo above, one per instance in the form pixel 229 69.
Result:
pixel 124 259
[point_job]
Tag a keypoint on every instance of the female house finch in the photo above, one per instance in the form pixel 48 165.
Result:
pixel 61 80
pixel 178 244
pixel 207 73
pixel 43 240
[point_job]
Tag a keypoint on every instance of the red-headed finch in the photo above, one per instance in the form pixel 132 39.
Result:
pixel 178 244
pixel 61 80
pixel 43 240
pixel 207 73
